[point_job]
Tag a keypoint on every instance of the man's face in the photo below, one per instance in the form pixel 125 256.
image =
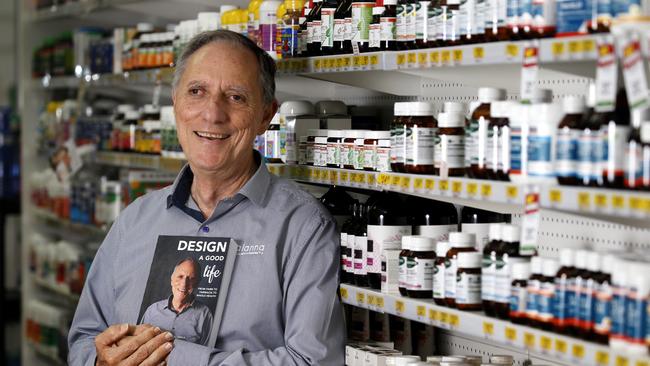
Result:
pixel 184 279
pixel 219 107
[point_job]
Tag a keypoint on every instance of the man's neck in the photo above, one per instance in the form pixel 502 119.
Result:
pixel 210 188
pixel 180 306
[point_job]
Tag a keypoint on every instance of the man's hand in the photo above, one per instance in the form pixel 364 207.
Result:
pixel 133 331
pixel 148 348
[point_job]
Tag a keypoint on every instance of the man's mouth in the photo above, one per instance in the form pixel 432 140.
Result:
pixel 211 136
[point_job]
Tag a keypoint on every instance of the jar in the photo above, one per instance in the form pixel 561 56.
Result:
pixel 477 132
pixel 442 247
pixel 320 150
pixel 459 243
pixel 420 131
pixel 302 150
pixel 151 137
pixel 398 137
pixel 449 148
pixel 151 113
pixel 507 254
pixel 292 120
pixel 468 281
pixel 382 157
pixel 127 135
pixel 404 255
pixel 390 264
pixel 347 147
pixel 334 140
pixel 358 150
pixel 419 267
pixel 490 261
pixel 310 147
pixel 371 147
pixel 518 293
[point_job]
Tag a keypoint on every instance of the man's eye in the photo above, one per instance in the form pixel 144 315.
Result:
pixel 237 98
pixel 195 91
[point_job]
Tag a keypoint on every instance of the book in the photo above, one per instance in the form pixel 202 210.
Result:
pixel 188 285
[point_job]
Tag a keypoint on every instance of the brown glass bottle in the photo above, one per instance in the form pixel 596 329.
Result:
pixel 402 11
pixel 534 286
pixel 387 22
pixel 342 44
pixel 475 34
pixel 420 132
pixel 580 283
pixel 439 273
pixel 313 29
pixel 398 137
pixel 477 131
pixel 419 267
pixel 468 282
pixel 602 308
pixel 564 293
pixel 433 19
pixel 507 254
pixel 459 242
pixel 518 292
pixel 328 13
pixel 374 44
pixel 404 255
pixel 567 140
pixel 489 268
pixel 449 145
pixel 494 141
pixel 450 29
pixel 615 127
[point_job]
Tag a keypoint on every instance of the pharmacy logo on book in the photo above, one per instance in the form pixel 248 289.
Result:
pixel 188 285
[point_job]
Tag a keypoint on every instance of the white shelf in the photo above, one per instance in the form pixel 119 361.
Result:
pixel 565 350
pixel 67 224
pixel 46 352
pixel 139 161
pixel 131 78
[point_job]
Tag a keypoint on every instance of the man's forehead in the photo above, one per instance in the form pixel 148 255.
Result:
pixel 221 50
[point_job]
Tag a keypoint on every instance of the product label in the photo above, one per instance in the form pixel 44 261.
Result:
pixel 539 155
pixel 512 13
pixel 348 29
pixel 389 274
pixel 420 274
pixel 375 35
pixel 358 157
pixel 388 29
pixel 606 75
pixel 419 145
pixel 339 30
pixel 397 139
pixel 411 15
pixel 545 302
pixel 310 32
pixel 369 155
pixel 272 146
pixel 588 161
pixel 532 302
pixel 327 27
pixel 515 153
pixel 334 153
pixel 361 19
pixel 439 281
pixel 468 288
pixel 480 16
pixel 344 244
pixel 382 238
pixel 349 261
pixel 488 285
pixel 403 279
pixel 268 33
pixel 636 83
pixel 603 309
pixel 634 165
pixel 449 150
pixel 619 301
pixel 493 139
pixel 518 301
pixel 346 152
pixel 317 34
pixel 382 159
pixel 573 15
pixel 566 152
pixel 450 278
pixel 421 24
pixel 564 314
pixel 477 136
pixel 290 41
pixel 401 22
pixel 529 70
pixel 614 139
pixel 636 319
pixel 360 255
pixel 504 148
pixel 433 20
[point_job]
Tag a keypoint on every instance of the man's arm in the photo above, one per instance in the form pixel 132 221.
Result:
pixel 314 329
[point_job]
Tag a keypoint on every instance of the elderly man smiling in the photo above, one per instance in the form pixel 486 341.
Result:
pixel 282 307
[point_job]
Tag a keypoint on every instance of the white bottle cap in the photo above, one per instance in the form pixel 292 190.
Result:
pixel 401 360
pixel 451 120
pixel 573 104
pixel 470 260
pixel 549 267
pixel 434 359
pixel 378 135
pixel 494 231
pixel 390 2
pixel 536 265
pixel 422 244
pixel 406 242
pixel 421 109
pixel 400 108
pixel 593 261
pixel 122 108
pixel 498 109
pixel 296 108
pixel 541 96
pixel 607 263
pixel 457 107
pixel 489 95
pixel 645 132
pixel 453 358
pixel 442 247
pixel 144 27
pixel 510 233
pixel 462 240
pixel 581 259
pixel 520 270
pixel 567 257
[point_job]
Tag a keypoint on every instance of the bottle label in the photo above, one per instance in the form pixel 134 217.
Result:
pixel 375 35
pixel 348 29
pixel 361 19
pixel 540 162
pixel 489 268
pixel 618 312
pixel 468 288
pixel 603 309
pixel 449 149
pixel 476 134
pixel 439 281
pixel 518 301
pixel 587 300
pixel 397 139
pixel 334 153
pixel 383 238
pixel 636 319
pixel 480 17
pixel 545 302
pixel 450 278
pixel 421 24
pixel 403 279
pixel 419 145
pixel 515 150
pixel 411 15
pixel 358 157
pixel 268 32
pixel 388 29
pixel 563 301
pixel 614 139
pixel 317 31
pixel 346 149
pixel 369 156
pixel 389 274
pixel 587 163
pixel 433 18
pixel 339 30
pixel 504 148
pixel 344 244
pixel 360 255
pixel 502 279
pixel 382 159
pixel 349 263
pixel 634 165
pixel 327 27
pixel 533 298
pixel 401 22
pixel 420 274
pixel 566 152
pixel 290 40
pixel 310 32
pixel 436 232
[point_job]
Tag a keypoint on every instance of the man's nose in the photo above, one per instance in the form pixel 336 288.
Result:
pixel 215 110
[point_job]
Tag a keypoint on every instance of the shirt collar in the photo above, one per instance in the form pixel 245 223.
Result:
pixel 256 189
pixel 171 308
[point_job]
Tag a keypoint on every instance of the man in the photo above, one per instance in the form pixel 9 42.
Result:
pixel 282 307
pixel 181 313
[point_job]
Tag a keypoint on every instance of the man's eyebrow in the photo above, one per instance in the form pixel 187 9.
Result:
pixel 239 89
pixel 196 83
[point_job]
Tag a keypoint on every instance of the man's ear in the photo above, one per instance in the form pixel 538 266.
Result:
pixel 269 111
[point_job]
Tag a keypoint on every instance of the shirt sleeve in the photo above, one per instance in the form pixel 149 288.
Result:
pixel 96 307
pixel 314 326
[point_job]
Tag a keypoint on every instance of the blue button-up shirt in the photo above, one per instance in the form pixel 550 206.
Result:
pixel 193 324
pixel 282 306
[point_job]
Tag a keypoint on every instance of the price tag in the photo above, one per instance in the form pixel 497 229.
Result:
pixel 443 317
pixel 371 300
pixel 584 200
pixel 346 62
pixel 618 202
pixel 646 206
pixel 578 351
pixel 334 177
pixel 529 70
pixel 395 180
pixel 361 297
pixel 472 189
pixel 412 59
pixel 399 306
pixel 417 184
pixel 557 49
pixel 529 340
pixel 383 179
pixel 344 293
pixel 332 64
pixel 479 53
pixel 429 184
pixel 512 50
pixel 362 178
pixel 555 196
pixel 374 60
pixel 456 187
pixel 324 175
pixel 401 59
pixel 512 192
pixel 458 56
pixel 380 302
pixel 421 311
pixel 344 177
pixel 405 183
pixel 486 190
pixel 353 178
pixel 511 334
pixel 444 185
pixel 364 62
pixel 317 65
pixel 370 178
pixel 560 346
pixel 545 343
pixel 588 46
pixel 641 363
pixel 313 173
pixel 606 74
pixel 433 315
pixel 445 57
pixel 622 361
pixel 339 63
pixel 422 59
pixel 635 203
pixel 434 57
pixel 454 320
pixel 636 84
pixel 488 329
pixel 575 47
pixel 602 358
pixel 356 61
pixel 600 200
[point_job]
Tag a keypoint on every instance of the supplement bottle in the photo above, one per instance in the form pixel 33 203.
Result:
pixel 544 121
pixel 450 23
pixel 387 223
pixel 582 274
pixel 320 150
pixel 390 262
pixel 342 26
pixel 470 30
pixel 279 30
pixel 588 296
pixel 568 134
pixel 388 26
pixel 398 137
pixel 268 26
pixel 565 293
pixel 370 146
pixel 272 141
pixel 382 152
pixel 477 222
pixel 620 281
pixel 615 131
pixel 459 242
pixel 547 294
pixel 495 141
pixel 346 259
pixel 358 150
pixel 449 145
pixel 423 34
pixel 347 146
pixel 476 134
pixel 636 308
pixel 543 24
pixel 374 33
pixel 334 139
pixel 589 145
pixel 645 156
pixel 420 131
pixel 519 292
pixel 434 21
pixel 361 249
pixel 291 20
pixel 361 19
pixel 433 219
pixel 328 13
pixel 534 285
pixel 293 122
pixel 468 281
pixel 496 29
pixel 507 254
pixel 439 273
pixel 404 256
pixel 488 286
pixel 603 302
pixel 339 204
pixel 633 159
pixel 314 28
pixel 420 267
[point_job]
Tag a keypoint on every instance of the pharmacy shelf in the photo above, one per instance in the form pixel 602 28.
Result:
pixel 139 161
pixel 163 76
pixel 66 224
pixel 69 9
pixel 563 350
pixel 63 293
pixel 46 352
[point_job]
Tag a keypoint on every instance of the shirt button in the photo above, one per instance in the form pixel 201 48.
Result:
pixel 206 229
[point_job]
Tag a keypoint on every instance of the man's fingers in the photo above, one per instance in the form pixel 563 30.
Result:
pixel 126 349
pixel 141 328
pixel 148 349
pixel 112 334
pixel 159 356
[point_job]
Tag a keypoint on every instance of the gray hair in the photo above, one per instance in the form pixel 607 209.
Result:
pixel 265 62
pixel 195 264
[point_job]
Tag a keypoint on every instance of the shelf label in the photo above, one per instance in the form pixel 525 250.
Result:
pixel 458 56
pixel 454 320
pixel 445 57
pixel 557 49
pixel 339 63
pixel 421 311
pixel 344 293
pixel 600 200
pixel 578 351
pixel 417 183
pixel 444 185
pixel 429 184
pixel 401 59
pixel 405 183
pixel 622 361
pixel 588 46
pixel 443 317
pixel 395 180
pixel 512 192
pixel 472 189
pixel 511 334
pixel 370 178
pixel 412 58
pixel 383 179
pixel 545 343
pixel 422 59
pixel 317 65
pixel 344 177
pixel 456 187
pixel 479 53
pixel 575 47
pixel 371 300
pixel 334 177
pixel 641 363
pixel 361 298
pixel 618 202
pixel 555 196
pixel 362 178
pixel 488 329
pixel 584 200
pixel 602 358
pixel 560 346
pixel 399 306
pixel 486 190
pixel 374 60
pixel 635 203
pixel 346 62
pixel 434 57
pixel 363 61
pixel 379 302
pixel 512 50
pixel 324 175
pixel 529 340
pixel 433 315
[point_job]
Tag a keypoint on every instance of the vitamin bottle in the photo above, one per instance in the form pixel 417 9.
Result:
pixel 388 27
pixel 488 286
pixel 291 20
pixel 358 150
pixel 459 242
pixel 339 204
pixel 496 153
pixel 398 137
pixel 645 156
pixel 565 293
pixel 534 286
pixel 374 33
pixel 519 292
pixel 633 159
pixel 420 267
pixel 620 280
pixel 342 26
pixel 636 308
pixel 477 222
pixel 568 134
pixel 420 131
pixel 589 145
pixel 423 34
pixel 468 281
pixel 268 26
pixel 387 223
pixel 328 13
pixel 433 23
pixel 404 255
pixel 507 254
pixel 433 219
pixel 544 120
pixel 615 131
pixel 476 133
pixel 361 19
pixel 449 145
pixel 588 296
pixel 547 294
pixel 370 148
pixel 496 28
pixel 543 22
pixel 347 243
pixel 314 28
pixel 582 274
pixel 603 301
pixel 361 249
pixel 442 247
pixel 450 23
pixel 470 30
pixel 347 146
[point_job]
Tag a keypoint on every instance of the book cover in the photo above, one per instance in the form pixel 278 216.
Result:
pixel 188 285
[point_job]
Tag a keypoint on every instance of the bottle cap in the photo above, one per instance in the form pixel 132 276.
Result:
pixel 462 240
pixel 499 109
pixel 122 108
pixel 591 95
pixel 494 232
pixel 510 233
pixel 645 132
pixel 549 267
pixel 567 257
pixel 296 108
pixel 607 263
pixel 573 104
pixel 390 2
pixel 421 109
pixel 331 108
pixel 457 107
pixel 451 120
pixel 638 115
pixel 422 244
pixel 401 108
pixel 378 135
pixel 225 8
pixel 131 115
pixel 520 271
pixel 434 359
pixel 536 265
pixel 334 133
pixel 406 242
pixel 452 358
pixel 489 95
pixel 470 260
pixel 581 259
pixel 593 261
pixel 442 247
pixel 541 96
pixel 144 27
pixel 150 108
pixel 401 360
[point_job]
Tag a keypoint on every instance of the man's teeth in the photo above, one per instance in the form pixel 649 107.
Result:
pixel 211 135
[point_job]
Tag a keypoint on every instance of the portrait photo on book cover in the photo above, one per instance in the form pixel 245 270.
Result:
pixel 183 288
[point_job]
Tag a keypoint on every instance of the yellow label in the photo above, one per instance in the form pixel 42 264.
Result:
pixel 555 196
pixel 401 59
pixel 512 50
pixel 479 53
pixel 313 173
pixel 488 328
pixel 429 184
pixel 646 205
pixel 374 60
pixel 443 317
pixel 362 178
pixel 600 200
pixel 356 61
pixel 472 188
pixel 641 363
pixel 618 202
pixel 511 334
pixel 371 300
pixel 370 178
pixel 486 190
pixel 422 59
pixel 361 297
pixel 334 177
pixel 344 293
pixel 412 58
pixel 273 170
pixel 380 302
pixel 529 340
pixel 364 61
pixel 454 320
pixel 512 192
pixel 394 180
pixel 457 187
pixel 324 174
pixel 444 185
pixel 433 315
pixel 405 183
pixel 622 361
pixel 339 62
pixel 458 56
pixel 434 57
pixel 417 183
pixel 635 203
pixel 383 179
pixel 557 48
pixel 346 62
pixel 578 351
pixel 628 51
pixel 575 47
pixel 421 311
pixel 353 177
pixel 332 63
pixel 344 177
pixel 399 306
pixel 584 200
pixel 545 343
pixel 317 64
pixel 602 358
pixel 560 346
pixel 446 57
pixel 588 45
